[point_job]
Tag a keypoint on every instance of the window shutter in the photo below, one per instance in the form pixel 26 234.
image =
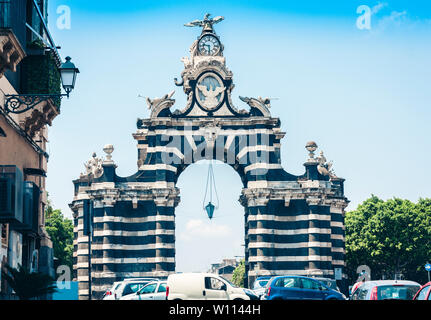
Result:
pixel 5 197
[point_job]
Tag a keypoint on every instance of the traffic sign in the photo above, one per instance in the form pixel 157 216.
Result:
pixel 428 267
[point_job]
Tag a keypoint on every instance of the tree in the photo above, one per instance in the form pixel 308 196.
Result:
pixel 28 285
pixel 390 237
pixel 60 230
pixel 238 274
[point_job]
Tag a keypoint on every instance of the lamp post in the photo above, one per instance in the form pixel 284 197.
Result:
pixel 20 103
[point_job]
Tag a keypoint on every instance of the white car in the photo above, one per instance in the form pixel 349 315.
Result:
pixel 204 286
pixel 125 287
pixel 110 294
pixel 153 291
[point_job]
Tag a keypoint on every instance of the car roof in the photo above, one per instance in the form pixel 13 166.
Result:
pixel 294 276
pixel 157 281
pixel 263 278
pixel 139 279
pixel 322 278
pixel 389 282
pixel 206 274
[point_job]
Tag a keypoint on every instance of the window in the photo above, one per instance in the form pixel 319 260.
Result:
pixel 162 287
pixel 260 284
pixel 403 292
pixel 361 294
pixel 310 284
pixel 288 282
pixel 423 294
pixel 213 283
pixel 149 288
pixel 133 287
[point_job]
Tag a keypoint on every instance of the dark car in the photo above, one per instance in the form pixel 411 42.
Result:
pixel 424 293
pixel 299 288
pixel 386 290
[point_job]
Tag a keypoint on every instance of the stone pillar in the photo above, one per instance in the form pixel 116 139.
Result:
pixel 81 243
pixel 165 201
pixel 256 201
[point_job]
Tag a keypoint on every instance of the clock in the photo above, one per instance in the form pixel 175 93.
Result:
pixel 209 45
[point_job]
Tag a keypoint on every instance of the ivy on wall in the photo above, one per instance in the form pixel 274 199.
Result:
pixel 39 73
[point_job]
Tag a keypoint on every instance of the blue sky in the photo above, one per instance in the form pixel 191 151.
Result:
pixel 362 95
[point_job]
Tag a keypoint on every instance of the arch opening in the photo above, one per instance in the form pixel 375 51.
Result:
pixel 202 243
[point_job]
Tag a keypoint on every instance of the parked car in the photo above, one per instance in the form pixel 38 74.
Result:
pixel 204 286
pixel 125 287
pixel 424 293
pixel 299 288
pixel 259 285
pixel 386 290
pixel 155 290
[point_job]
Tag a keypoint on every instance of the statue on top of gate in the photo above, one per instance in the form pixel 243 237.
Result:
pixel 207 82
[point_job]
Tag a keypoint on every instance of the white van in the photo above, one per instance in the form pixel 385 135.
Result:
pixel 204 286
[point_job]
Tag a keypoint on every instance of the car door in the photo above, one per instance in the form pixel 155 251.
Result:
pixel 215 289
pixel 147 292
pixel 287 288
pixel 161 292
pixel 310 289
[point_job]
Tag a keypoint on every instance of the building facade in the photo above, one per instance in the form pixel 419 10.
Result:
pixel 29 64
pixel 125 226
pixel 224 268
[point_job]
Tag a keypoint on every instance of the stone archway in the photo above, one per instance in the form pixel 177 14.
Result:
pixel 293 224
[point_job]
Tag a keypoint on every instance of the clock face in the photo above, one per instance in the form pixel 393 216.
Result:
pixel 209 45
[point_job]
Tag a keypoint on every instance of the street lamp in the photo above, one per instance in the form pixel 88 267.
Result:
pixel 20 103
pixel 68 73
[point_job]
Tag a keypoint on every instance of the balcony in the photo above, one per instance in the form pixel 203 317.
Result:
pixel 40 75
pixel 11 50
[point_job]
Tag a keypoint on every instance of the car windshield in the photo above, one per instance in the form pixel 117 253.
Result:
pixel 401 292
pixel 233 285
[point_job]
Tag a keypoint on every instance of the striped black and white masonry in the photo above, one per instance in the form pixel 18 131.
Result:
pixel 125 226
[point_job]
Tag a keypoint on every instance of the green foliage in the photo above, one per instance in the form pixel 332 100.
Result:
pixel 28 285
pixel 390 237
pixel 40 74
pixel 36 44
pixel 238 274
pixel 60 230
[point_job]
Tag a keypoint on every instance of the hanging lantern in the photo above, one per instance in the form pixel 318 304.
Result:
pixel 210 210
pixel 210 207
